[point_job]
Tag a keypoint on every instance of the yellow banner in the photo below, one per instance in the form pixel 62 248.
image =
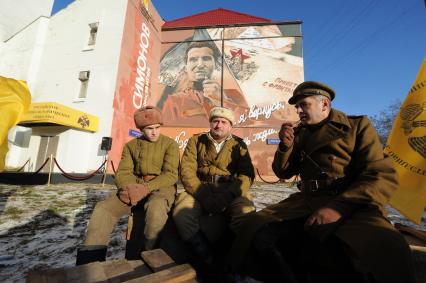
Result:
pixel 407 147
pixel 15 98
pixel 52 112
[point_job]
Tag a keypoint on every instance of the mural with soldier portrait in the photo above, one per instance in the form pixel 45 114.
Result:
pixel 250 68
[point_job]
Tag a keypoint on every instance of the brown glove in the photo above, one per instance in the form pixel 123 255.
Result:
pixel 209 200
pixel 224 197
pixel 137 192
pixel 123 195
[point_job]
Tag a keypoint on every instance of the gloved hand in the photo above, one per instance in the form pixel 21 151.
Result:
pixel 225 197
pixel 286 135
pixel 123 195
pixel 137 192
pixel 209 200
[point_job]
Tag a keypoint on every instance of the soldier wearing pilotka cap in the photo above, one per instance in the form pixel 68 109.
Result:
pixel 216 172
pixel 334 229
pixel 146 178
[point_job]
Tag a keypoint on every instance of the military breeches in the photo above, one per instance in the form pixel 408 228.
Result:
pixel 190 217
pixel 108 212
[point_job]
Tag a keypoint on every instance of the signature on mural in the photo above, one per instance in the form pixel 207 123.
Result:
pixel 257 111
pixel 180 140
pixel 281 85
pixel 260 136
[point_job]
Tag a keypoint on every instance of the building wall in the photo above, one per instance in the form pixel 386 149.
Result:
pixel 65 54
pixel 14 18
pixel 21 54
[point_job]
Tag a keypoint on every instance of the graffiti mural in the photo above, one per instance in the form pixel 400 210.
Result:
pixel 251 69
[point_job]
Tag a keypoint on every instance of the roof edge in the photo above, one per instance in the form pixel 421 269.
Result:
pixel 233 25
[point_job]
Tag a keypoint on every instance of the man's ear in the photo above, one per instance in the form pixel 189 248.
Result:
pixel 325 104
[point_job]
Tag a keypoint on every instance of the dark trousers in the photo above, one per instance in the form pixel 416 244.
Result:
pixel 285 252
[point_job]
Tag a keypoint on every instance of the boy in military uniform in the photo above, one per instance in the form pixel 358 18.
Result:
pixel 216 172
pixel 146 176
pixel 338 216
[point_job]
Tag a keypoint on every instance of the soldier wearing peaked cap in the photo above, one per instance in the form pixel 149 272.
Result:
pixel 216 172
pixel 334 229
pixel 146 178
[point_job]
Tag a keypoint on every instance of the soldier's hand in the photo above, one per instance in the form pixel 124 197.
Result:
pixel 211 89
pixel 286 135
pixel 123 195
pixel 137 192
pixel 324 215
pixel 208 200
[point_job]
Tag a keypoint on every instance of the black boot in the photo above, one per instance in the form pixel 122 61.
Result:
pixel 203 257
pixel 89 254
pixel 200 246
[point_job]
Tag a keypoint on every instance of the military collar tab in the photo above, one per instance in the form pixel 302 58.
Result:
pixel 338 117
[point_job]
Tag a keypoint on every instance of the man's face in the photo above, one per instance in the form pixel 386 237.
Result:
pixel 151 132
pixel 220 128
pixel 311 111
pixel 200 64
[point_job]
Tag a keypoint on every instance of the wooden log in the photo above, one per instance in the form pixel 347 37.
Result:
pixel 109 271
pixel 157 260
pixel 176 274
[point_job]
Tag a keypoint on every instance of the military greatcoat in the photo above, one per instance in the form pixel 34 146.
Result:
pixel 346 148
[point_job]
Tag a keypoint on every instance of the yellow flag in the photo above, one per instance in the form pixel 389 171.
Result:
pixel 407 147
pixel 15 99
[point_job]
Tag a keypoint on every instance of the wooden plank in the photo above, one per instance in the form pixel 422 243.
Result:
pixel 91 272
pixel 176 274
pixel 124 270
pixel 414 233
pixel 56 275
pixel 157 260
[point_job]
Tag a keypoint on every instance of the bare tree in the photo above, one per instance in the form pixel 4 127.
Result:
pixel 383 121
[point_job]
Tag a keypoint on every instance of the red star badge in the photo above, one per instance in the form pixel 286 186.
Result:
pixel 239 53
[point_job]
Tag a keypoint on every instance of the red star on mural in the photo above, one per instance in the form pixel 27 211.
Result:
pixel 240 54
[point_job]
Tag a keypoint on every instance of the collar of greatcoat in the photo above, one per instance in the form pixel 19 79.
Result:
pixel 337 126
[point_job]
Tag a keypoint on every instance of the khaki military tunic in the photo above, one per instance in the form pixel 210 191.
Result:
pixel 140 158
pixel 200 160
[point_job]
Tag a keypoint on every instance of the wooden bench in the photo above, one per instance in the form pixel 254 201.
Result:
pixel 155 266
pixel 417 241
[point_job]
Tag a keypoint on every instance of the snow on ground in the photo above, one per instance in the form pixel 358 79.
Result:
pixel 42 226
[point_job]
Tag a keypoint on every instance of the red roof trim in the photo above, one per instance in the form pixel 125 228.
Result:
pixel 213 18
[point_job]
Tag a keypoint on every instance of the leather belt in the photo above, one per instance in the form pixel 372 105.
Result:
pixel 215 179
pixel 148 178
pixel 327 186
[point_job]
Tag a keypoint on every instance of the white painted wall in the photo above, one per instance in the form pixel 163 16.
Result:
pixel 17 14
pixel 64 55
pixel 22 53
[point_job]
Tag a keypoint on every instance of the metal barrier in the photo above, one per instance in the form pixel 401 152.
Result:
pixel 78 178
pixel 42 166
pixel 102 169
pixel 268 182
pixel 23 166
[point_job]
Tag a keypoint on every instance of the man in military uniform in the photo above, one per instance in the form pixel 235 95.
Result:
pixel 336 223
pixel 216 172
pixel 147 177
pixel 197 92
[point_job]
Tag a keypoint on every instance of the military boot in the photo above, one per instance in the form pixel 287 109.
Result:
pixel 89 254
pixel 203 260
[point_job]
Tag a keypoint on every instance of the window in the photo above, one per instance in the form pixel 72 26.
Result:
pixel 84 79
pixel 93 33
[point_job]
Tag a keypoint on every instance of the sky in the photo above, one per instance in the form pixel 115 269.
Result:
pixel 368 51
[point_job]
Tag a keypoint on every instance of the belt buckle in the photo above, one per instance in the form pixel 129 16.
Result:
pixel 213 179
pixel 314 186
